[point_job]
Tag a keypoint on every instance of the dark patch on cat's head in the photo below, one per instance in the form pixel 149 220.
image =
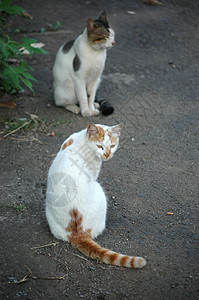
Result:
pixel 76 63
pixel 67 46
pixel 102 20
pixel 98 30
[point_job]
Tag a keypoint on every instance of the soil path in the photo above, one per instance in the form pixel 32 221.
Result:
pixel 151 78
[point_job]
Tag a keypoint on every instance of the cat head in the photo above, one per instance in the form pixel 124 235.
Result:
pixel 103 140
pixel 100 35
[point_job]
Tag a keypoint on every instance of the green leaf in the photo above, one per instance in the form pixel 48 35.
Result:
pixel 39 50
pixel 56 26
pixel 13 91
pixel 10 10
pixel 28 76
pixel 42 30
pixel 20 69
pixel 8 49
pixel 27 42
pixel 5 84
pixel 3 50
pixel 11 75
pixel 27 83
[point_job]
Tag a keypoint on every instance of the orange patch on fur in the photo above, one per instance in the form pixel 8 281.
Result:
pixel 99 135
pixel 132 262
pixel 68 229
pixel 75 223
pixel 112 138
pixel 123 260
pixel 113 257
pixel 67 144
pixel 102 252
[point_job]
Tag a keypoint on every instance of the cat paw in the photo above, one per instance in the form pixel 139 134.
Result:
pixel 73 108
pixel 86 113
pixel 95 112
pixel 96 105
pixel 76 110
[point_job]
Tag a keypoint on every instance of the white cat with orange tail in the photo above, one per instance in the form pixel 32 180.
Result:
pixel 75 202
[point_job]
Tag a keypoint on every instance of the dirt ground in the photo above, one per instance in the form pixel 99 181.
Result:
pixel 151 78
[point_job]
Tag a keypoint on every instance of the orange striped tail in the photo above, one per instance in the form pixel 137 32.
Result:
pixel 83 242
pixel 87 246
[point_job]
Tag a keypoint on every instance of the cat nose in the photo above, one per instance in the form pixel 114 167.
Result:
pixel 107 154
pixel 113 43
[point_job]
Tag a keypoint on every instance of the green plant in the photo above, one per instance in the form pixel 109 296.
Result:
pixel 51 27
pixel 14 71
pixel 60 121
pixel 19 207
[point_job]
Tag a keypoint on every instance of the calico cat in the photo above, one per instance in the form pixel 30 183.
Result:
pixel 79 65
pixel 75 202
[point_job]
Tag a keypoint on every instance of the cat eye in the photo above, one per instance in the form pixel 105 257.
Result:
pixel 100 147
pixel 112 146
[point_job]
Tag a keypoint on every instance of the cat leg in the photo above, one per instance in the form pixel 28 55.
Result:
pixel 91 89
pixel 82 98
pixel 64 96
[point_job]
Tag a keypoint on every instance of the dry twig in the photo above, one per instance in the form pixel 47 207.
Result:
pixel 31 276
pixel 43 246
pixel 24 124
pixel 81 257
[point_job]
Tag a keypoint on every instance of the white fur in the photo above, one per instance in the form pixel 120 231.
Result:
pixel 72 184
pixel 73 87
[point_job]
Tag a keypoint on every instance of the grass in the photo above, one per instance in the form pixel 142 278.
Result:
pixel 60 122
pixel 15 124
pixel 19 208
pixel 33 124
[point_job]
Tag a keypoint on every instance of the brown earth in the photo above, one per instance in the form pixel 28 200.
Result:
pixel 151 78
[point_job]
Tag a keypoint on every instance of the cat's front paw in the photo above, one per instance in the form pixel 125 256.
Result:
pixel 86 113
pixel 95 112
pixel 92 112
pixel 96 105
pixel 76 110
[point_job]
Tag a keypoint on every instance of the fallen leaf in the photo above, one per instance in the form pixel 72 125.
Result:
pixel 9 104
pixel 130 12
pixel 52 133
pixel 152 2
pixel 38 45
pixel 170 213
pixel 13 60
pixel 34 117
pixel 34 45
pixel 27 15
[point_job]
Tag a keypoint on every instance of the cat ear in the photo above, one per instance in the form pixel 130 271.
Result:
pixel 92 130
pixel 103 17
pixel 90 25
pixel 116 130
